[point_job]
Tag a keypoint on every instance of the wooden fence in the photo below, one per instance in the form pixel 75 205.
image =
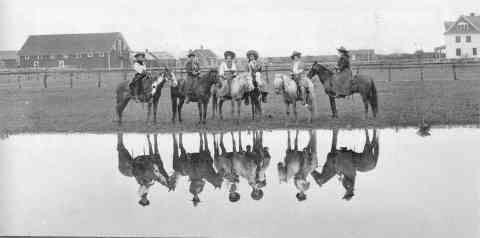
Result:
pixel 78 78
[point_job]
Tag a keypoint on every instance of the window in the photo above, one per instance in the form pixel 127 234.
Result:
pixel 462 26
pixel 474 51
pixel 458 39
pixel 89 54
pixel 101 54
pixel 78 55
pixel 35 64
pixel 61 64
pixel 459 52
pixel 468 39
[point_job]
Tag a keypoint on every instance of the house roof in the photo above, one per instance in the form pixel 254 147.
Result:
pixel 201 53
pixel 162 55
pixel 8 54
pixel 472 20
pixel 69 43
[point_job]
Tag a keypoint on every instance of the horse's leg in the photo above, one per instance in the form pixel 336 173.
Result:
pixel 205 107
pixel 121 104
pixel 174 109
pixel 199 112
pixel 149 111
pixel 181 101
pixel 214 105
pixel 252 101
pixel 232 103
pixel 239 102
pixel 220 105
pixel 365 104
pixel 155 109
pixel 295 114
pixel 333 106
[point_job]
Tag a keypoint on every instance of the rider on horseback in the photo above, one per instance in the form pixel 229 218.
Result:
pixel 227 71
pixel 296 73
pixel 344 74
pixel 136 85
pixel 193 72
pixel 254 67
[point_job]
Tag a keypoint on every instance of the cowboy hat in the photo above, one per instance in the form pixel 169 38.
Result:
pixel 295 53
pixel 139 54
pixel 252 52
pixel 229 53
pixel 342 49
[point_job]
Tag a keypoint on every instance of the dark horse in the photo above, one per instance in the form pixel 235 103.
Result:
pixel 346 163
pixel 201 95
pixel 361 84
pixel 152 89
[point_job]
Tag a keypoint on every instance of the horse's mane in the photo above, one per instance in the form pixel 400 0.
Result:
pixel 323 68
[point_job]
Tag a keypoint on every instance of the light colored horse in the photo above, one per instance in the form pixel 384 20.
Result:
pixel 239 86
pixel 286 86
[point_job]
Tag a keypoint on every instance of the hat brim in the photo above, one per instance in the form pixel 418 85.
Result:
pixel 296 54
pixel 229 53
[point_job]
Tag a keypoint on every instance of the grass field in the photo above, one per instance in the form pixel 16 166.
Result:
pixel 87 108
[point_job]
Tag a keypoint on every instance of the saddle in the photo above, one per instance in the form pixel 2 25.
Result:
pixel 137 88
pixel 342 83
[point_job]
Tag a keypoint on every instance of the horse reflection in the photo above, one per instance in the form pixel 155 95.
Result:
pixel 299 164
pixel 250 164
pixel 197 166
pixel 346 163
pixel 145 168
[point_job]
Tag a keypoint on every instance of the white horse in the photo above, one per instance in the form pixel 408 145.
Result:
pixel 239 85
pixel 286 86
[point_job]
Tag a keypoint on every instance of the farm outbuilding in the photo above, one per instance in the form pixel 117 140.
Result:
pixel 91 50
pixel 8 59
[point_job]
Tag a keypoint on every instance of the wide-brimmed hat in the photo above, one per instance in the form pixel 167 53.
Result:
pixel 252 52
pixel 190 54
pixel 229 53
pixel 295 53
pixel 342 49
pixel 139 54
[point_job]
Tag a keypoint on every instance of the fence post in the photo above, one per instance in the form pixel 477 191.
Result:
pixel 71 79
pixel 99 83
pixel 45 80
pixel 19 81
pixel 454 72
pixel 389 72
pixel 421 72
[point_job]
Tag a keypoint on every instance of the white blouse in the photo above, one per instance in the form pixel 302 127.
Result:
pixel 224 68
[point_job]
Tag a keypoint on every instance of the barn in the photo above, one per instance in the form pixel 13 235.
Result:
pixel 8 59
pixel 90 50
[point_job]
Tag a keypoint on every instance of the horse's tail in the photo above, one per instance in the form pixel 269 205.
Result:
pixel 373 97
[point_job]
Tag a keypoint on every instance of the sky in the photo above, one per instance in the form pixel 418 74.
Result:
pixel 272 27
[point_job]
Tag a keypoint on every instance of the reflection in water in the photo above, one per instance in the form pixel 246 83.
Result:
pixel 345 163
pixel 229 168
pixel 198 167
pixel 250 164
pixel 146 169
pixel 299 164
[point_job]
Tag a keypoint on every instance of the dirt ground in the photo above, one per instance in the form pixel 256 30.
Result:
pixel 87 108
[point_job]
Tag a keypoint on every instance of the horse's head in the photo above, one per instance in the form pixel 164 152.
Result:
pixel 212 76
pixel 159 80
pixel 321 71
pixel 348 183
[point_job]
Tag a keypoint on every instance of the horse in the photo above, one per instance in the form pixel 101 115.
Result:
pixel 239 86
pixel 152 88
pixel 361 84
pixel 146 169
pixel 198 167
pixel 298 164
pixel 287 87
pixel 346 163
pixel 201 95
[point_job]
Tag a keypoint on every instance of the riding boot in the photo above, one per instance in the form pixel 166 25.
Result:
pixel 246 99
pixel 264 97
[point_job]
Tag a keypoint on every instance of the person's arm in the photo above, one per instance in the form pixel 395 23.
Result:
pixel 221 70
pixel 139 68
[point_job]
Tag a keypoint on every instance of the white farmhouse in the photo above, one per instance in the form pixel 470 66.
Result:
pixel 462 37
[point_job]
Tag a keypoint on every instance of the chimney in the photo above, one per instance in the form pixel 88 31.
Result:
pixel 472 14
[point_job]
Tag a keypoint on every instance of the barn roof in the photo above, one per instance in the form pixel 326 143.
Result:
pixel 69 43
pixel 8 54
